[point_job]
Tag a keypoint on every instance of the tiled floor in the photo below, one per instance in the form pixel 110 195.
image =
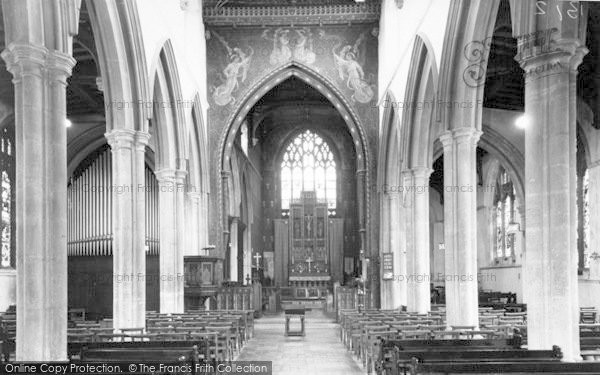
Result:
pixel 319 352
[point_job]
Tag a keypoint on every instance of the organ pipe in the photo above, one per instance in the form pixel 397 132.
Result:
pixel 90 192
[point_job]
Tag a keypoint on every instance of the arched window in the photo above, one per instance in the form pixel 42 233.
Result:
pixel 308 165
pixel 586 218
pixel 244 138
pixel 7 214
pixel 583 210
pixel 506 227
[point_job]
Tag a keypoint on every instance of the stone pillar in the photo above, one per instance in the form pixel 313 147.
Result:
pixel 594 208
pixel 460 226
pixel 369 258
pixel 233 249
pixel 194 226
pixel 39 76
pixel 129 212
pixel 550 197
pixel 521 234
pixel 171 185
pixel 204 204
pixel 225 175
pixel 388 286
pixel 417 225
pixel 398 246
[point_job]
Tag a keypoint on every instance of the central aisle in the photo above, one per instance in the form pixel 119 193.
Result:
pixel 319 352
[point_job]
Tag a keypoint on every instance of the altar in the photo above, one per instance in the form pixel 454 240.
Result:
pixel 308 245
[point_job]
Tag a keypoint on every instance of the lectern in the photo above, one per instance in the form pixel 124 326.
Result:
pixel 294 312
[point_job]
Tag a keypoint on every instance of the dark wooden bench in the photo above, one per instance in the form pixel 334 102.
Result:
pixel 589 342
pixel 173 352
pixel 471 356
pixel 507 367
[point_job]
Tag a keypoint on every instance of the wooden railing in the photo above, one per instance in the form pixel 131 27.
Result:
pixel 350 298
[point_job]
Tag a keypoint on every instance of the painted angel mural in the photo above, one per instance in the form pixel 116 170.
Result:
pixel 351 71
pixel 237 66
pixel 282 51
pixel 303 51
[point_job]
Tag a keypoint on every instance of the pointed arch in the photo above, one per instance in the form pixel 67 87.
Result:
pixel 198 135
pixel 466 48
pixel 388 140
pixel 320 83
pixel 500 148
pixel 122 63
pixel 168 114
pixel 417 133
pixel 311 78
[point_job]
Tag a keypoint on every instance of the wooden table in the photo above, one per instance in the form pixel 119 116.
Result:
pixel 296 312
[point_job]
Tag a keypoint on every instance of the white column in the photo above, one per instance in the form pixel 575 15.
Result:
pixel 418 253
pixel 39 76
pixel 247 255
pixel 194 234
pixel 398 247
pixel 460 226
pixel 233 246
pixel 550 198
pixel 594 207
pixel 129 212
pixel 171 184
pixel 387 286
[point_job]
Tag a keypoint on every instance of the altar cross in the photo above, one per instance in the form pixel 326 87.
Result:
pixel 309 260
pixel 257 257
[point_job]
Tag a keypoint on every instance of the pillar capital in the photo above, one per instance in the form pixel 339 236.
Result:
pixel 564 56
pixel 127 138
pixel 120 138
pixel 406 175
pixel 421 172
pixel 142 139
pixel 29 59
pixel 169 175
pixel 460 135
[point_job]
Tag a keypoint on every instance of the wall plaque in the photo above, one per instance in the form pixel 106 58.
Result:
pixel 388 266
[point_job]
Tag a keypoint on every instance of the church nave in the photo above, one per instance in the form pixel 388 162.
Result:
pixel 175 174
pixel 319 352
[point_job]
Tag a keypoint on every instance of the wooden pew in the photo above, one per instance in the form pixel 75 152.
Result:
pixel 472 356
pixel 168 352
pixel 588 315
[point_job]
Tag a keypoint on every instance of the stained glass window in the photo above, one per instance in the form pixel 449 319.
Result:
pixel 244 138
pixel 6 199
pixel 506 203
pixel 308 165
pixel 586 219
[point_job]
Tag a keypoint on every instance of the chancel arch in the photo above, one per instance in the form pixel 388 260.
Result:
pixel 348 121
pixel 301 232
